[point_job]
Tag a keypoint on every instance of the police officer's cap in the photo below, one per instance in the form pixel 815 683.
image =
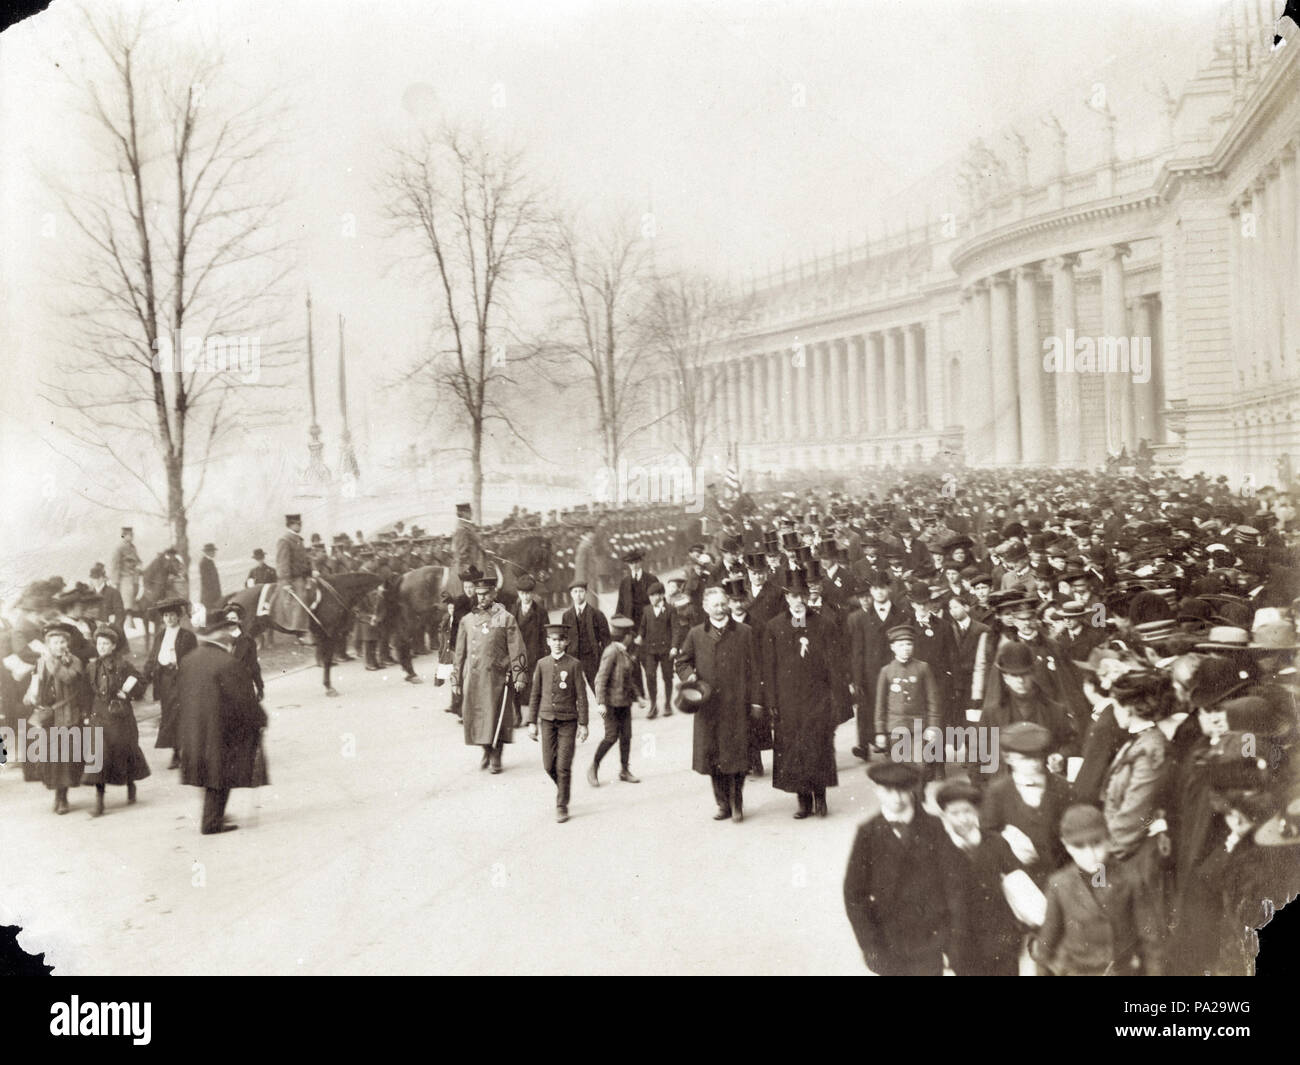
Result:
pixel 901 632
pixel 556 630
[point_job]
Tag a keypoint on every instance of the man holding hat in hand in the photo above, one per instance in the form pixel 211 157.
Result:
pixel 721 653
pixel 557 707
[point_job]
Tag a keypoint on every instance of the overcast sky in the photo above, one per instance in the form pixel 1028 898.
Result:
pixel 753 131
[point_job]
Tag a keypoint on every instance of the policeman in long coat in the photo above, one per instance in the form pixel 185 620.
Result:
pixel 721 653
pixel 805 689
pixel 489 655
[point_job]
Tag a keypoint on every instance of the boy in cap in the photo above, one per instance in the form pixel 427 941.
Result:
pixel 656 641
pixel 1024 806
pixel 905 905
pixel 1097 921
pixel 906 695
pixel 617 688
pixel 558 700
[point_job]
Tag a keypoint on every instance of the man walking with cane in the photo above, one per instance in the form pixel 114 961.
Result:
pixel 490 656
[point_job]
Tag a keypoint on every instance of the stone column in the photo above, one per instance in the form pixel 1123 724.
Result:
pixel 835 396
pixel 1119 391
pixel 977 379
pixel 1006 384
pixel 1145 395
pixel 1069 416
pixel 819 380
pixel 893 353
pixel 875 383
pixel 1289 204
pixel 746 386
pixel 853 377
pixel 1029 365
pixel 757 383
pixel 911 384
pixel 789 394
pixel 776 399
pixel 936 372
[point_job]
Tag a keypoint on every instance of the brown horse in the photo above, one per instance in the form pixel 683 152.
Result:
pixel 335 612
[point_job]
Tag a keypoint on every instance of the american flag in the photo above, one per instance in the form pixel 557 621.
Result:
pixel 733 474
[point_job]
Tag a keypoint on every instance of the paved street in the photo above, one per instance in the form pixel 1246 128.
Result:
pixel 380 847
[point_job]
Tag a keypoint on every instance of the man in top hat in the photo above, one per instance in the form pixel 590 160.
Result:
pixel 293 568
pixel 760 729
pixel 125 569
pixel 868 650
pixel 617 689
pixel 557 708
pixel 220 725
pixel 209 580
pixel 721 653
pixel 904 901
pixel 489 656
pixel 806 688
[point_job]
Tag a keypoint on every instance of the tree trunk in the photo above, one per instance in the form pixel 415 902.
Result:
pixel 176 515
pixel 476 473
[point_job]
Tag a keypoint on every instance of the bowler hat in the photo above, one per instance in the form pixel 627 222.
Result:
pixel 1015 658
pixel 1214 681
pixel 525 583
pixel 900 776
pixel 634 556
pixel 259 554
pixel 691 695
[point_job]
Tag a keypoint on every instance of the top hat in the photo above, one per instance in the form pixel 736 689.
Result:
pixel 97 570
pixel 812 571
pixel 734 586
pixel 289 519
pixel 796 582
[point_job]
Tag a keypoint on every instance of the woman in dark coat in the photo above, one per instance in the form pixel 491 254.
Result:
pixel 170 646
pixel 113 683
pixel 60 694
pixel 805 690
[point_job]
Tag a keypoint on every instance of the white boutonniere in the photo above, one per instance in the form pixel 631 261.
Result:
pixel 803 646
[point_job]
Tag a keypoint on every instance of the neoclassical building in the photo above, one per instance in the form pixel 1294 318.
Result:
pixel 1063 313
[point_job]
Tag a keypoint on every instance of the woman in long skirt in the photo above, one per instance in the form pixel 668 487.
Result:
pixel 60 695
pixel 114 683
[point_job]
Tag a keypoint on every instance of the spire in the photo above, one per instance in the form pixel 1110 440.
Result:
pixel 347 456
pixel 316 475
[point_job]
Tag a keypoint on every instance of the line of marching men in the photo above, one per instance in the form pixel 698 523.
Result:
pixel 1076 694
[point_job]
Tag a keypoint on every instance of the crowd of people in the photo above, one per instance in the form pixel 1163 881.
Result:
pixel 1074 692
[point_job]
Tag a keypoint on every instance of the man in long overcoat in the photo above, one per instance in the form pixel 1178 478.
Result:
pixel 805 689
pixel 721 653
pixel 221 725
pixel 489 655
pixel 905 906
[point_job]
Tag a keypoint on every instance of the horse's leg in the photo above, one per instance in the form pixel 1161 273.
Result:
pixel 325 643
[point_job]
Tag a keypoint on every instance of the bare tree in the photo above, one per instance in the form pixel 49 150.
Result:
pixel 471 214
pixel 604 280
pixel 177 273
pixel 689 320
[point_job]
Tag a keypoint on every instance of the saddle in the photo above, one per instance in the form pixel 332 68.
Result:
pixel 290 604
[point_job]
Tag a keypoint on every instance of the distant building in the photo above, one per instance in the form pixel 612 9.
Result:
pixel 934 340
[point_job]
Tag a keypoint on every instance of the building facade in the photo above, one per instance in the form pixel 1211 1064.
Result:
pixel 1065 314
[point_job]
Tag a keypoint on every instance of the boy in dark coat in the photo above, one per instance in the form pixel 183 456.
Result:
pixel 558 700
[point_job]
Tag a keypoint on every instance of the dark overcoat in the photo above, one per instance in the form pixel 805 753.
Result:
pixel 123 761
pixel 164 684
pixel 60 692
pixel 902 899
pixel 727 660
pixel 805 689
pixel 221 721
